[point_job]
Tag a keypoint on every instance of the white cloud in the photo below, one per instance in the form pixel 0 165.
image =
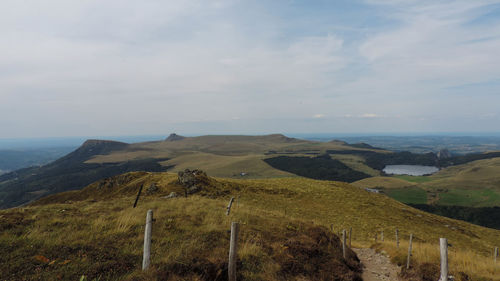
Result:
pixel 369 115
pixel 93 67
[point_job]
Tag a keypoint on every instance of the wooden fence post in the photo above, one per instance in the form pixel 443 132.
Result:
pixel 138 194
pixel 229 206
pixel 147 240
pixel 496 254
pixel 409 252
pixel 443 246
pixel 233 251
pixel 350 237
pixel 343 242
pixel 397 238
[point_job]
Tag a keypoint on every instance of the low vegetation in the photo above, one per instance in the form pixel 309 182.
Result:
pixel 68 173
pixel 485 216
pixel 286 229
pixel 321 167
pixel 464 265
pixel 410 195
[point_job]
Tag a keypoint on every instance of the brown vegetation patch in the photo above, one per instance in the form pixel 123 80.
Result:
pixel 317 255
pixel 14 220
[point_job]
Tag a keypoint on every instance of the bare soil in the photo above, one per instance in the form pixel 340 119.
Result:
pixel 377 266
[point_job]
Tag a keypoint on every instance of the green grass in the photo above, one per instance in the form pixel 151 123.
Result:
pixel 416 179
pixel 410 195
pixel 468 197
pixel 357 163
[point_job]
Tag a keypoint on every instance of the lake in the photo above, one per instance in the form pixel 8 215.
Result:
pixel 412 170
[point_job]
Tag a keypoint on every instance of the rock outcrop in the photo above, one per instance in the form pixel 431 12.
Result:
pixel 151 189
pixel 192 180
pixel 174 137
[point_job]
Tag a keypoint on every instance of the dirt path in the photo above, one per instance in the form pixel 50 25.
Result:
pixel 377 266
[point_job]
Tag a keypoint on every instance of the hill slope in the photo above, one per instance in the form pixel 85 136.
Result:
pixel 254 157
pixel 96 232
pixel 67 173
pixel 225 156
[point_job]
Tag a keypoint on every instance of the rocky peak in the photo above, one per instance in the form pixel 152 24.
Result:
pixel 174 137
pixel 91 148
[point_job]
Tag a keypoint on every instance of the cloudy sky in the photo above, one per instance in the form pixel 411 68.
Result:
pixel 124 67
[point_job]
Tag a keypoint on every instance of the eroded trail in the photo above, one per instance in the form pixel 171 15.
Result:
pixel 377 266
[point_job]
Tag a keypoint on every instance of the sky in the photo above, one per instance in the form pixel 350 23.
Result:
pixel 124 67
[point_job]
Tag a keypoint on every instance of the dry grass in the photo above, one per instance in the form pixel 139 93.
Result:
pixel 228 156
pixel 476 266
pixel 98 230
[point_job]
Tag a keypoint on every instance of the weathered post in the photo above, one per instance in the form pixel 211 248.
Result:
pixel 233 251
pixel 229 206
pixel 496 254
pixel 147 240
pixel 350 237
pixel 343 242
pixel 409 252
pixel 382 236
pixel 138 194
pixel 443 246
pixel 397 238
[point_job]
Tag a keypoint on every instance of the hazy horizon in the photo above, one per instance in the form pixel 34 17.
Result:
pixel 94 68
pixel 74 141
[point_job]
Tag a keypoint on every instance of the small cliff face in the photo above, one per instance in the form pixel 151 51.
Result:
pixel 92 148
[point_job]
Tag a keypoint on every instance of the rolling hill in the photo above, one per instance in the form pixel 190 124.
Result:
pixel 68 173
pixel 472 183
pixel 286 231
pixel 223 156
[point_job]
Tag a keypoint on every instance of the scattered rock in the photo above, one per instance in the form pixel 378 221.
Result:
pixel 151 189
pixel 171 195
pixel 190 178
pixel 193 189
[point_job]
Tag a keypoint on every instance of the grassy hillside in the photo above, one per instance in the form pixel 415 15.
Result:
pixel 255 157
pixel 96 232
pixel 475 184
pixel 68 173
pixel 224 156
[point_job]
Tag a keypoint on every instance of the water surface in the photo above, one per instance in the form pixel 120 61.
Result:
pixel 412 170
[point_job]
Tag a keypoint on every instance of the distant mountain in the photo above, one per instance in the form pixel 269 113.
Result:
pixel 218 155
pixel 363 145
pixel 174 137
pixel 69 173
